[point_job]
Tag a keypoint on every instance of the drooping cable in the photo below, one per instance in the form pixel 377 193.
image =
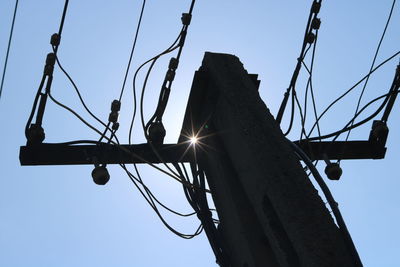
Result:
pixel 8 47
pixel 332 203
pixel 196 197
pixel 349 90
pixel 373 62
pixel 154 130
pixel 309 87
pixel 308 39
pixel 168 50
pixel 151 195
pixel 78 92
pixel 386 96
pixel 392 91
pixel 153 206
pixel 113 142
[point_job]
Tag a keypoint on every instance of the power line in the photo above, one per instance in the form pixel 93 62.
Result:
pixel 393 90
pixel 153 206
pixel 34 132
pixel 373 62
pixel 154 129
pixel 349 90
pixel 8 47
pixel 133 49
pixel 79 94
pixel 171 48
pixel 150 195
pixel 309 87
pixel 156 119
pixel 111 141
pixel 115 125
pixel 312 23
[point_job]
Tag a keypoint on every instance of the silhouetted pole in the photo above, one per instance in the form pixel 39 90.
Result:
pixel 270 213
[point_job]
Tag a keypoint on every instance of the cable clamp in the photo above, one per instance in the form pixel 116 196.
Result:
pixel 115 126
pixel 173 63
pixel 316 6
pixel 316 23
pixel 50 61
pixel 114 114
pixel 170 75
pixel 186 18
pixel 55 39
pixel 116 105
pixel 310 38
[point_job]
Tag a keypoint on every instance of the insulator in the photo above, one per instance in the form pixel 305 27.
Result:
pixel 310 38
pixel 55 39
pixel 156 133
pixel 186 18
pixel 100 175
pixel 316 23
pixel 116 105
pixel 36 134
pixel 333 171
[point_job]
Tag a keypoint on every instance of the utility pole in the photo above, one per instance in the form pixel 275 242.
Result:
pixel 270 213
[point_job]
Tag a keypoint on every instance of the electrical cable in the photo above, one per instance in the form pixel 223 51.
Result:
pixel 197 199
pixel 156 119
pixel 133 49
pixel 177 178
pixel 38 133
pixel 308 39
pixel 140 180
pixel 8 47
pixel 332 203
pixel 78 93
pixel 152 205
pixel 115 143
pixel 364 107
pixel 309 87
pixel 373 63
pixel 393 90
pixel 169 77
pixel 145 127
pixel 350 89
pixel 151 195
pixel 128 66
pixel 142 117
pixel 168 50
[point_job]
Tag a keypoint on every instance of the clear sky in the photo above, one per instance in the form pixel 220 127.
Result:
pixel 57 216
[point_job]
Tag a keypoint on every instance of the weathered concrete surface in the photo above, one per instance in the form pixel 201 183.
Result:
pixel 265 179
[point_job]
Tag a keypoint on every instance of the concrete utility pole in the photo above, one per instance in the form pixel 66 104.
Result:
pixel 270 213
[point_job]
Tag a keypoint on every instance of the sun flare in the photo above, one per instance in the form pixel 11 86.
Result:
pixel 193 140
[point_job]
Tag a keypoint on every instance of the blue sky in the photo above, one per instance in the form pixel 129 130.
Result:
pixel 57 216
